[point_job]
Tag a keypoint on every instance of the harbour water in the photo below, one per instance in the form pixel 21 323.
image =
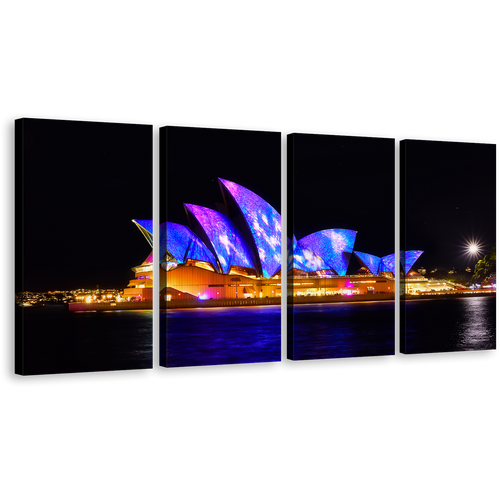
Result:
pixel 343 330
pixel 220 335
pixel 199 337
pixel 59 341
pixel 450 324
pixel 253 334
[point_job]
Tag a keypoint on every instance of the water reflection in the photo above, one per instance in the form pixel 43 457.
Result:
pixel 252 334
pixel 475 324
pixel 455 324
pixel 220 335
pixel 59 341
pixel 342 330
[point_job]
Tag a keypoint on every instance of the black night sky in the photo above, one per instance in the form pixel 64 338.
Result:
pixel 450 199
pixel 84 182
pixel 343 182
pixel 197 156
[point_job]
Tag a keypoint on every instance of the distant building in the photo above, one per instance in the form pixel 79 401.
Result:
pixel 490 281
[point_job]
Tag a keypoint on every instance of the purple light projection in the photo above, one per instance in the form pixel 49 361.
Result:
pixel 305 259
pixel 409 258
pixel 331 245
pixel 149 260
pixel 370 261
pixel 387 264
pixel 229 245
pixel 264 223
pixel 183 244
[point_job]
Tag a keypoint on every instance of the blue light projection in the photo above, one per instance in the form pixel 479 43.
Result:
pixel 289 253
pixel 163 240
pixel 183 244
pixel 264 223
pixel 387 264
pixel 305 259
pixel 409 258
pixel 321 252
pixel 146 224
pixel 295 256
pixel 331 245
pixel 229 245
pixel 370 261
pixel 146 228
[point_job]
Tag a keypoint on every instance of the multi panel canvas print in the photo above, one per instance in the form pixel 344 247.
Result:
pixel 84 274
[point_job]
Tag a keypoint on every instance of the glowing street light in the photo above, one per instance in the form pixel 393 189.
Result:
pixel 473 249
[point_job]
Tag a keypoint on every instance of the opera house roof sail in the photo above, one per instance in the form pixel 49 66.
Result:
pixel 228 244
pixel 264 223
pixel 334 246
pixel 305 259
pixel 371 262
pixel 409 258
pixel 146 228
pixel 387 264
pixel 183 244
pixel 245 234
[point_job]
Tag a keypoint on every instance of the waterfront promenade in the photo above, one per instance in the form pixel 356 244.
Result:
pixel 190 304
pixel 181 304
pixel 107 306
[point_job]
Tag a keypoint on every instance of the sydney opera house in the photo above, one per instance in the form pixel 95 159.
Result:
pixel 234 252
